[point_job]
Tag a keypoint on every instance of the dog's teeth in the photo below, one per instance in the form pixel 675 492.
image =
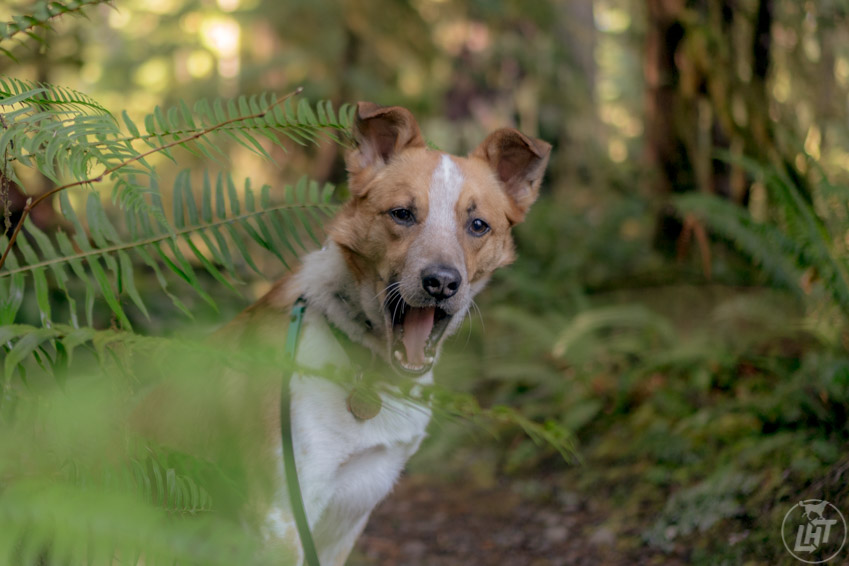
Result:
pixel 398 355
pixel 429 359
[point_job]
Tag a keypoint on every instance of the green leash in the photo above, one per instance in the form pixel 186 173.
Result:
pixel 296 499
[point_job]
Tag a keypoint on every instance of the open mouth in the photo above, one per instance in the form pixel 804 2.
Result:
pixel 415 334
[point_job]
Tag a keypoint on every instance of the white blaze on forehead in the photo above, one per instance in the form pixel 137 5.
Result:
pixel 444 192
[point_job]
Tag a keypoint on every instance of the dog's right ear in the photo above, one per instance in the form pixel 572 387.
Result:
pixel 519 163
pixel 380 133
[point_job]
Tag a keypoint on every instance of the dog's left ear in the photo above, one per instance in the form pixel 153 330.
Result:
pixel 519 163
pixel 381 132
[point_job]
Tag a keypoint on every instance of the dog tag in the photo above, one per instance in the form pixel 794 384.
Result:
pixel 364 402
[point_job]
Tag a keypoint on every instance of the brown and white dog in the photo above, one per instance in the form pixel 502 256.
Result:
pixel 419 238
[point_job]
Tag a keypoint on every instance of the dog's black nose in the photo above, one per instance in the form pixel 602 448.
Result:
pixel 441 282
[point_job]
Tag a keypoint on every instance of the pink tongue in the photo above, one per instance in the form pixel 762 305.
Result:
pixel 418 322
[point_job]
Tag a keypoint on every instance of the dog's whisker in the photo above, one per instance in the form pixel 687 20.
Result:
pixel 387 290
pixel 394 298
pixel 394 295
pixel 398 304
pixel 480 315
pixel 468 315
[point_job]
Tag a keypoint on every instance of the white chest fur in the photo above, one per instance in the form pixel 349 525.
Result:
pixel 345 466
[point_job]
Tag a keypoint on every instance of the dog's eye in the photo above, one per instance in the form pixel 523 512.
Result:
pixel 478 227
pixel 403 216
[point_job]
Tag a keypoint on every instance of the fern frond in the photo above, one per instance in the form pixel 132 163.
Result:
pixel 797 240
pixel 42 96
pixel 768 246
pixel 91 525
pixel 818 249
pixel 832 202
pixel 41 16
pixel 57 146
pixel 64 134
pixel 62 343
pixel 82 486
pixel 214 237
pixel 452 405
pixel 167 479
pixel 268 121
pixel 589 322
pixel 51 128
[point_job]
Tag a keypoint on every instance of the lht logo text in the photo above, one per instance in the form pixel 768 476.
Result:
pixel 814 531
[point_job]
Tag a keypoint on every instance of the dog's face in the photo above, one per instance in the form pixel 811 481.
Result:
pixel 424 230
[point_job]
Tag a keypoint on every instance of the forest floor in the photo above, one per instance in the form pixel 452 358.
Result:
pixel 427 522
pixel 696 460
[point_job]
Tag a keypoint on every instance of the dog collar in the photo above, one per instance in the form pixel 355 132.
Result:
pixel 363 402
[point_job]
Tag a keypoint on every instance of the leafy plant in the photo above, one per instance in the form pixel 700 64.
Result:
pixel 66 133
pixel 101 258
pixel 800 245
pixel 221 224
pixel 42 14
pixel 698 508
pixel 78 483
pixel 81 496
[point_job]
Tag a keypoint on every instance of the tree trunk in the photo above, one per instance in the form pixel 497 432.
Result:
pixel 670 119
pixel 580 136
pixel 692 84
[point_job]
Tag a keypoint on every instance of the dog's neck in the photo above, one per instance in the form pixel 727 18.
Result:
pixel 329 286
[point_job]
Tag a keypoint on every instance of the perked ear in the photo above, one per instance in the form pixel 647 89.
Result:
pixel 519 163
pixel 380 133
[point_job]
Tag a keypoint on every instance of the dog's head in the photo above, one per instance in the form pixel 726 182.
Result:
pixel 424 230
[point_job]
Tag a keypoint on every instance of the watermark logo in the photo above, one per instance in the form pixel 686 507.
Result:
pixel 814 531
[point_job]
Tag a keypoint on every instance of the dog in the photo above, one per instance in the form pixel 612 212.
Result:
pixel 813 509
pixel 420 236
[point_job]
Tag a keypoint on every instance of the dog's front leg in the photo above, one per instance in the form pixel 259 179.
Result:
pixel 335 547
pixel 281 541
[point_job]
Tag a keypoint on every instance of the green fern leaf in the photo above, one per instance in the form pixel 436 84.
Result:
pixel 799 239
pixel 25 346
pixel 89 525
pixel 103 259
pixel 767 245
pixel 40 281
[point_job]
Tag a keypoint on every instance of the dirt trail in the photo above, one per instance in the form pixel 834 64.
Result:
pixel 431 524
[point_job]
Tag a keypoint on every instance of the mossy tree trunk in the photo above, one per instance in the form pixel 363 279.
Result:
pixel 707 69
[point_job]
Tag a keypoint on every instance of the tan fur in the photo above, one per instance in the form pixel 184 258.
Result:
pixel 376 246
pixel 346 286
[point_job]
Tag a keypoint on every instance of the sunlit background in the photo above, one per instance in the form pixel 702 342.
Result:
pixel 572 72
